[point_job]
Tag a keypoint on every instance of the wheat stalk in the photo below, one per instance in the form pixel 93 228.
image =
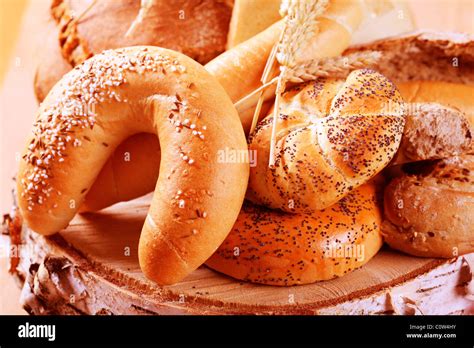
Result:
pixel 301 25
pixel 337 67
pixel 269 67
pixel 334 66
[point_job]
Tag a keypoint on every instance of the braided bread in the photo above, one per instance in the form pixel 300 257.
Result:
pixel 119 93
pixel 332 137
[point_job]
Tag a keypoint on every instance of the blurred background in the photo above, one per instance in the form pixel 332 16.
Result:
pixel 20 42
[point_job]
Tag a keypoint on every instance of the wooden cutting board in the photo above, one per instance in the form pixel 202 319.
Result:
pixel 92 267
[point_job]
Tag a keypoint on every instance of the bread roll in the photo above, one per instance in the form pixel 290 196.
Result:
pixel 430 54
pixel 239 71
pixel 197 28
pixel 333 136
pixel 122 180
pixel 276 248
pixel 430 212
pixel 123 92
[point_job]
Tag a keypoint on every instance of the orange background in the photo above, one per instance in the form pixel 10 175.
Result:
pixel 18 20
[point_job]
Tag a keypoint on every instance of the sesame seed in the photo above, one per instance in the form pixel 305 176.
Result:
pixel 60 124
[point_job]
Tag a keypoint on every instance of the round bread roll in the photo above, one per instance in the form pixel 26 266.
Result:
pixel 112 96
pixel 430 213
pixel 79 29
pixel 276 248
pixel 435 67
pixel 332 136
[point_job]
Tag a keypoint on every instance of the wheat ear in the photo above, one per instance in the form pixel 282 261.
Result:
pixel 301 25
pixel 334 66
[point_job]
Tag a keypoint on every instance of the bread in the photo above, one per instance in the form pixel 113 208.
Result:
pixel 121 179
pixel 239 71
pixel 194 27
pixel 428 66
pixel 276 248
pixel 333 136
pixel 433 131
pixel 250 17
pixel 384 19
pixel 119 93
pixel 429 212
pixel 449 94
pixel 424 56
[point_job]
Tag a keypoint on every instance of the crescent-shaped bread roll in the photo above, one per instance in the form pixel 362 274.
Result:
pixel 123 92
pixel 239 71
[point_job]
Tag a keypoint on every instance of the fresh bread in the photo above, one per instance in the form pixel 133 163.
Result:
pixel 429 212
pixel 433 131
pixel 424 56
pixel 250 17
pixel 196 28
pixel 119 180
pixel 112 96
pixel 449 94
pixel 239 71
pixel 333 136
pixel 428 67
pixel 276 248
pixel 384 19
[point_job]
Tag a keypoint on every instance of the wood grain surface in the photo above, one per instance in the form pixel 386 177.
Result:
pixel 96 258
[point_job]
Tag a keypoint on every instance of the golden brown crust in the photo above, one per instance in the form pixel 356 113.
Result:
pixel 424 55
pixel 430 213
pixel 276 248
pixel 123 92
pixel 250 18
pixel 332 137
pixel 193 27
pixel 119 179
pixel 236 80
pixel 51 65
pixel 454 95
